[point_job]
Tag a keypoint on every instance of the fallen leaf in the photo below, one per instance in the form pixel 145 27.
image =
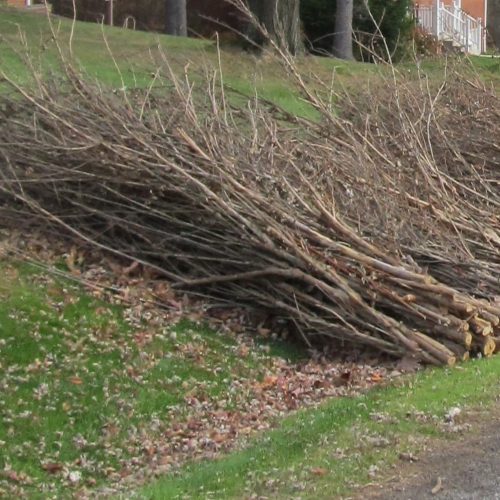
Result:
pixel 52 468
pixel 243 351
pixel 75 380
pixel 410 457
pixel 75 477
pixel 13 476
pixel 268 381
pixel 127 270
pixel 165 460
pixel 54 291
pixel 220 438
pixel 70 262
pixel 150 450
pixel 452 414
pixel 346 377
pixel 318 471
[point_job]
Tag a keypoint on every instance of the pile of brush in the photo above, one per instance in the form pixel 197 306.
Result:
pixel 373 226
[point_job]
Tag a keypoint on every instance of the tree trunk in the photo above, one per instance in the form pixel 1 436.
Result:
pixel 494 21
pixel 281 19
pixel 176 20
pixel 342 39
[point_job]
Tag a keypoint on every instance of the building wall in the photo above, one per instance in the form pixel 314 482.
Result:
pixel 475 8
pixel 16 3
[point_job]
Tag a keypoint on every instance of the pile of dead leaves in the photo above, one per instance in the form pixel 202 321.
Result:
pixel 211 414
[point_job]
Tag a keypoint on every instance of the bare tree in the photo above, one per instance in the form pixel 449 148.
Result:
pixel 342 39
pixel 176 19
pixel 281 19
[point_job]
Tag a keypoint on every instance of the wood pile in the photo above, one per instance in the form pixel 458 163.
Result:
pixel 373 227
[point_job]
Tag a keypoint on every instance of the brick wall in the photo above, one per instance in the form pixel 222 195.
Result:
pixel 475 8
pixel 16 3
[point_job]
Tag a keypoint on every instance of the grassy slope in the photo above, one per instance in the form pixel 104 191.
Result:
pixel 138 54
pixel 339 441
pixel 52 331
pixel 322 453
pixel 73 365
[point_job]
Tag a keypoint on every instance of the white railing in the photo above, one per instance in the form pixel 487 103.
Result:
pixel 424 16
pixel 451 23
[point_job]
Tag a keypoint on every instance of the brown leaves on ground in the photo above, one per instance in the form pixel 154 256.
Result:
pixel 52 468
pixel 214 415
pixel 318 471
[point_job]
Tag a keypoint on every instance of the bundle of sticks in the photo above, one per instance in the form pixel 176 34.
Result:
pixel 373 226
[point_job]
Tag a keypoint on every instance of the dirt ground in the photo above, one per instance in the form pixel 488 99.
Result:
pixel 467 468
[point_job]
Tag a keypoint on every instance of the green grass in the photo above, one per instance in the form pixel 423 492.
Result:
pixel 487 66
pixel 139 54
pixel 72 365
pixel 341 439
pixel 136 53
pixel 75 368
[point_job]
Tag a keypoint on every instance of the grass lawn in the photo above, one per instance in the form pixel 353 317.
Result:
pixel 90 388
pixel 139 54
pixel 94 393
pixel 322 453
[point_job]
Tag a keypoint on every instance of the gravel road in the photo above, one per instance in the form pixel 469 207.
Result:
pixel 469 469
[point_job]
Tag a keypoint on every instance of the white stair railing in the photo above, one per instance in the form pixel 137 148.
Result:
pixel 424 17
pixel 451 23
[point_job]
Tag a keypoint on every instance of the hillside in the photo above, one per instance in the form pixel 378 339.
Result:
pixel 227 297
pixel 102 49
